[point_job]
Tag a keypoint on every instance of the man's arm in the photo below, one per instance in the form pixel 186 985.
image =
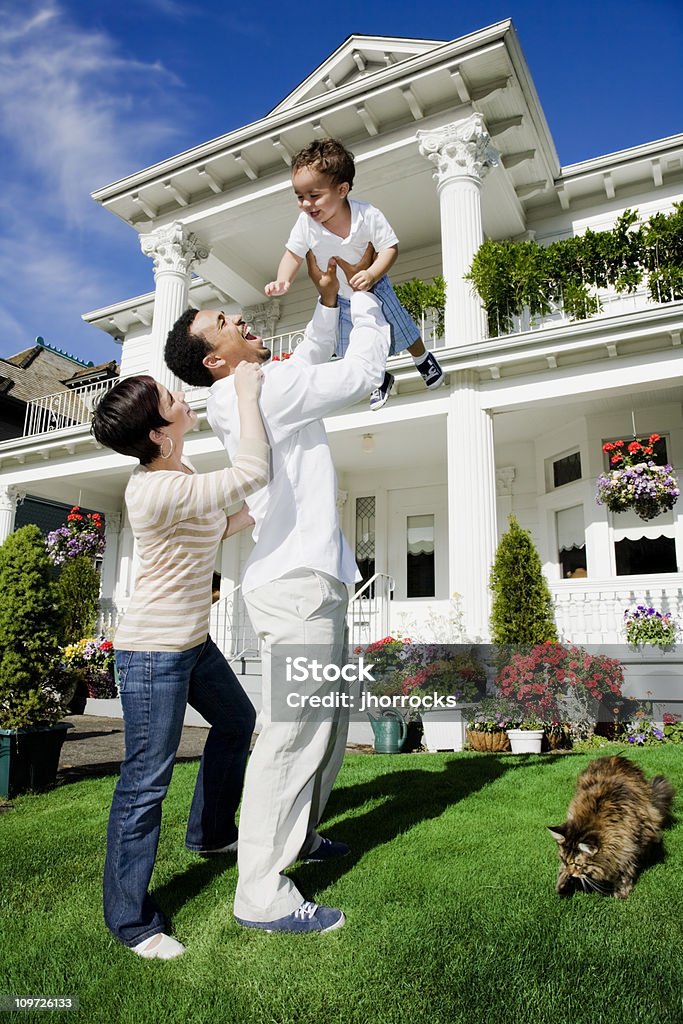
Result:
pixel 296 393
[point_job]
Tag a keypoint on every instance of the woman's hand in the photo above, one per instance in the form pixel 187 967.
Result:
pixel 248 380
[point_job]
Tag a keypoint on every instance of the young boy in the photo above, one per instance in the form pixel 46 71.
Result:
pixel 331 224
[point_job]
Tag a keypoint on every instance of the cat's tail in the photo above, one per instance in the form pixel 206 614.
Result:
pixel 662 794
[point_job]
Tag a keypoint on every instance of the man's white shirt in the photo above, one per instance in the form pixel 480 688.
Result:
pixel 296 519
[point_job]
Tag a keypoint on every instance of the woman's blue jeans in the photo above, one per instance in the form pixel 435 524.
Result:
pixel 155 688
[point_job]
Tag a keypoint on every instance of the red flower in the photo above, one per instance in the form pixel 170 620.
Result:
pixel 635 446
pixel 654 437
pixel 608 447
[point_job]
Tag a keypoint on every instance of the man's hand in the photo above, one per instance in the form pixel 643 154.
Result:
pixel 324 280
pixel 277 288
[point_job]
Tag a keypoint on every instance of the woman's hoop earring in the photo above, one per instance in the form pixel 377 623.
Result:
pixel 161 447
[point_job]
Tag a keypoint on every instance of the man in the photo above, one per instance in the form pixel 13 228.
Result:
pixel 295 581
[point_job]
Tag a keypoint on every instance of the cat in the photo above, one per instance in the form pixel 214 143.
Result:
pixel 615 816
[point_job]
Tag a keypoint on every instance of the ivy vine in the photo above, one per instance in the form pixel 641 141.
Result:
pixel 510 276
pixel 418 297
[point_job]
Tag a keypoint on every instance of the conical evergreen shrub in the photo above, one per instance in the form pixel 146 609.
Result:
pixel 522 611
pixel 32 684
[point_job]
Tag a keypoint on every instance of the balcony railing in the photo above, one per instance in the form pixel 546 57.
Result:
pixel 64 409
pixel 613 304
pixel 67 409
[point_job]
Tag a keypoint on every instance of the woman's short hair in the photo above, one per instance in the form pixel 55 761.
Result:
pixel 124 416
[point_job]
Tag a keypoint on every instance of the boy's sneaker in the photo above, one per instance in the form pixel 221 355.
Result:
pixel 432 374
pixel 380 394
pixel 328 850
pixel 309 917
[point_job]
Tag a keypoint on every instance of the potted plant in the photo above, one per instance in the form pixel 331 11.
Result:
pixel 644 625
pixel 636 481
pixel 92 660
pixel 557 684
pixel 34 683
pixel 391 726
pixel 526 736
pixel 443 680
pixel 487 725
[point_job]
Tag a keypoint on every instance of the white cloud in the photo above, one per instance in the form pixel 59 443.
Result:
pixel 75 111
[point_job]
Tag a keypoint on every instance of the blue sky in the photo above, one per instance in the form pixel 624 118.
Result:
pixel 92 92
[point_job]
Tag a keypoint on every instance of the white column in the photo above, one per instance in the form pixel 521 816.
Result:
pixel 471 501
pixel 174 251
pixel 9 497
pixel 110 559
pixel 462 154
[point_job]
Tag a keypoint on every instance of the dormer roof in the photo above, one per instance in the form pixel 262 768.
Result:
pixel 358 57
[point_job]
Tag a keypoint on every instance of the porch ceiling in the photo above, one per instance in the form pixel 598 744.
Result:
pixel 527 424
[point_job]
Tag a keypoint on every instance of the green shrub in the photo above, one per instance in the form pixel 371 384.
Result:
pixel 32 684
pixel 522 611
pixel 78 591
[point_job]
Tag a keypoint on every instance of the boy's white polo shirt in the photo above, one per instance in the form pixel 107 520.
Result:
pixel 368 224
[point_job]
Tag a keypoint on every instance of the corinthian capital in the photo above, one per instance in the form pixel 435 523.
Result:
pixel 460 148
pixel 263 316
pixel 173 249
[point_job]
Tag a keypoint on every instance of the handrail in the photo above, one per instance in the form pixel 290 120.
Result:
pixel 230 628
pixel 368 617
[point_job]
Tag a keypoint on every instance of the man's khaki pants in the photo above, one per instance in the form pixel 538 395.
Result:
pixel 294 763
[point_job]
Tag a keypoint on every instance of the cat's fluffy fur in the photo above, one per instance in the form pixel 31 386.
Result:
pixel 615 816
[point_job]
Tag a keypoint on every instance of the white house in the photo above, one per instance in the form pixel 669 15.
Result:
pixel 452 144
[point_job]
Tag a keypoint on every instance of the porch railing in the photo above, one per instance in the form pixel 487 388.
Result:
pixel 368 619
pixel 592 612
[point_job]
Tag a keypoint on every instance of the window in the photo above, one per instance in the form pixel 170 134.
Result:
pixel 420 556
pixel 571 542
pixel 566 469
pixel 365 540
pixel 645 555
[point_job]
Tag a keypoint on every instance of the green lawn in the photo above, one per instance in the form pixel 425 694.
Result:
pixel 449 896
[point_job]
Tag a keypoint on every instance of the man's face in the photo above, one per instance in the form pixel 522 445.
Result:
pixel 231 341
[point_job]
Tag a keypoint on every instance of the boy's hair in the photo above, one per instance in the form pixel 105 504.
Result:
pixel 329 157
pixel 124 416
pixel 185 351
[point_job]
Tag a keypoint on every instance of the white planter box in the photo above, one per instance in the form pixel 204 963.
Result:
pixel 525 741
pixel 657 676
pixel 444 729
pixel 111 708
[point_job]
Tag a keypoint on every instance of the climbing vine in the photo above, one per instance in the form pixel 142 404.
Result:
pixel 512 276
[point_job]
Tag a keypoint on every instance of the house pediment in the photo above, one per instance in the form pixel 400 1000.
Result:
pixel 358 57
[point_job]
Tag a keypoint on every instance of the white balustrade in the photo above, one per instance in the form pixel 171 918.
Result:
pixel 592 611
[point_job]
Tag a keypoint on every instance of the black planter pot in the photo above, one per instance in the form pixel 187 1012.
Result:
pixel 29 758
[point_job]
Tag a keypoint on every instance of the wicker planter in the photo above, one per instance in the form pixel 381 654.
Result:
pixel 488 742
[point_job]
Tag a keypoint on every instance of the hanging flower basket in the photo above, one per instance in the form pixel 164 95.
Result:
pixel 636 481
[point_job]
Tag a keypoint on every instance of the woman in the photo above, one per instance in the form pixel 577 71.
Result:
pixel 164 656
